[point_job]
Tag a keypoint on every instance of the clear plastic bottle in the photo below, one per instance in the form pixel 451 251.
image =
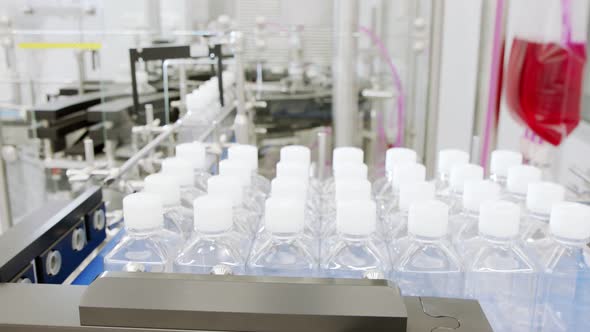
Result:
pixel 196 154
pixel 282 250
pixel 565 257
pixel 517 184
pixel 252 196
pixel 293 188
pixel 356 249
pixel 246 217
pixel 214 242
pixel 540 198
pixel 406 173
pixel 248 154
pixel 300 172
pixel 146 246
pixel 447 159
pixel 424 262
pixel 345 155
pixel 299 154
pixel 460 174
pixel 396 224
pixel 501 161
pixel 464 226
pixel 346 190
pixel 183 171
pixel 501 272
pixel 177 217
pixel 383 187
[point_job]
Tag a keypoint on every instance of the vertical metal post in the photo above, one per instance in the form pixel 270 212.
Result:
pixel 81 70
pixel 242 123
pixel 182 86
pixel 344 90
pixel 219 55
pixel 5 209
pixel 436 33
pixel 322 155
pixel 89 151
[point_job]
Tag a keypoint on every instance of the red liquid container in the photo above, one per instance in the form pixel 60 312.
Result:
pixel 544 86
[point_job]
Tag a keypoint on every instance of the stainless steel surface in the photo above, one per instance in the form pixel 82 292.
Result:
pixel 322 155
pixel 436 31
pixel 344 88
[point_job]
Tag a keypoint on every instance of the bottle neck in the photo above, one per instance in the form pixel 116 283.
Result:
pixel 213 234
pixel 143 232
pixel 442 176
pixel 570 243
pixel 470 213
pixel 284 237
pixel 354 238
pixel 499 179
pixel 425 239
pixel 500 241
pixel 540 217
pixel 517 197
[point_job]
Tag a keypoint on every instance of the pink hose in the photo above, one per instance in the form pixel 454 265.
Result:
pixel 397 82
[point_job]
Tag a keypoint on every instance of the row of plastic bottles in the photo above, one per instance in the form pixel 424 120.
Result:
pixel 510 241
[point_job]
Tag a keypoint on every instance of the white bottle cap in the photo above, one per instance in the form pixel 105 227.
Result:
pixel 500 219
pixel 181 169
pixel 570 221
pixel 347 154
pixel 352 189
pixel 460 174
pixel 428 218
pixel 293 170
pixel 165 186
pixel 541 196
pixel 397 156
pixel 226 185
pixel 283 215
pixel 519 178
pixel 477 192
pixel 142 211
pixel 502 160
pixel 296 154
pixel 245 153
pixel 357 218
pixel 212 213
pixel 407 173
pixel 350 171
pixel 450 157
pixel 410 193
pixel 195 153
pixel 233 167
pixel 288 187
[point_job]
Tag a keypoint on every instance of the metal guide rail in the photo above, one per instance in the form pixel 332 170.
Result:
pixel 175 302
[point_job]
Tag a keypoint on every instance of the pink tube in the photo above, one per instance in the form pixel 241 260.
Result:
pixel 397 82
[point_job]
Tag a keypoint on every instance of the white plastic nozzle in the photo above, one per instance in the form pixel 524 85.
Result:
pixel 165 186
pixel 450 157
pixel 296 154
pixel 284 215
pixel 460 174
pixel 181 169
pixel 244 153
pixel 294 170
pixel 519 178
pixel 502 160
pixel 352 189
pixel 142 211
pixel 499 219
pixel 288 187
pixel 195 153
pixel 428 219
pixel 411 193
pixel 233 167
pixel 407 173
pixel 398 156
pixel 357 218
pixel 228 186
pixel 477 192
pixel 347 154
pixel 570 221
pixel 213 214
pixel 541 196
pixel 350 171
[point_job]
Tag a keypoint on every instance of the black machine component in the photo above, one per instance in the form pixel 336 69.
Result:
pixel 150 54
pixel 48 245
pixel 181 302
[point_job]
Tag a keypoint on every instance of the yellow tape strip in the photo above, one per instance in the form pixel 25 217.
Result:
pixel 44 46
